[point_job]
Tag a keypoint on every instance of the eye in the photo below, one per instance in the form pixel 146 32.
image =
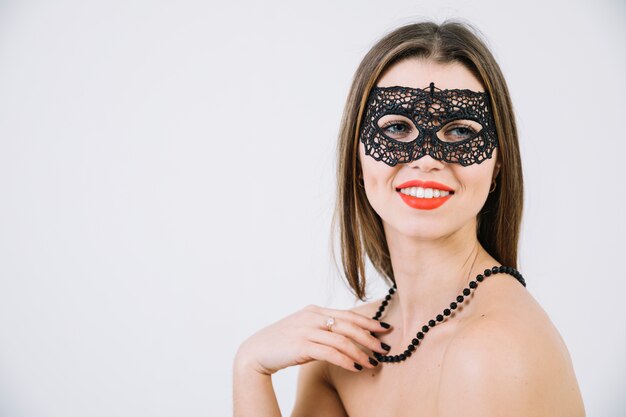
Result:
pixel 459 130
pixel 398 127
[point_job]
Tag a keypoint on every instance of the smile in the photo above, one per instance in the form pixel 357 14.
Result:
pixel 420 192
pixel 424 195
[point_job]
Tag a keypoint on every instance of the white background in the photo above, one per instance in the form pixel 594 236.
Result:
pixel 167 182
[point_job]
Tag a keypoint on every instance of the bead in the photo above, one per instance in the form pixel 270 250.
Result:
pixel 440 317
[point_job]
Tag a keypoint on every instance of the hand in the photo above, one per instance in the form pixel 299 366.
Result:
pixel 303 337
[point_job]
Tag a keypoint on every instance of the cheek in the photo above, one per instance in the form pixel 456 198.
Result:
pixel 475 180
pixel 377 176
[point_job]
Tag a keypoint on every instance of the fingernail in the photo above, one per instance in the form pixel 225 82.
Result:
pixel 357 366
pixel 385 325
pixel 373 362
pixel 385 346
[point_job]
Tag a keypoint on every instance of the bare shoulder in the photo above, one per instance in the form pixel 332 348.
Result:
pixel 508 360
pixel 315 395
pixel 367 309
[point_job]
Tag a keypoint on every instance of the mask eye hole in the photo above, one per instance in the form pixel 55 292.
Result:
pixel 398 127
pixel 459 130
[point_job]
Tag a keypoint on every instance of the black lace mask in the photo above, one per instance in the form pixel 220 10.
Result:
pixel 449 125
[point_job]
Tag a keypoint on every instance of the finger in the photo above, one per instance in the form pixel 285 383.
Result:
pixel 343 345
pixel 326 353
pixel 359 335
pixel 362 321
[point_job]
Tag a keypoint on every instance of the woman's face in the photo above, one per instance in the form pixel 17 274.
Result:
pixel 415 216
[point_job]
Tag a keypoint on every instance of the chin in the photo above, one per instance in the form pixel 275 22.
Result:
pixel 426 230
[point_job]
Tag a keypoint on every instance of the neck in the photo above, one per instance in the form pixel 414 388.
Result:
pixel 430 273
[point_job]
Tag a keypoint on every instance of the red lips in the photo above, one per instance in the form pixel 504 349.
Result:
pixel 424 203
pixel 424 184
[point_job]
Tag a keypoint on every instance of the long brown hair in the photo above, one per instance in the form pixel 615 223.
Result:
pixel 360 228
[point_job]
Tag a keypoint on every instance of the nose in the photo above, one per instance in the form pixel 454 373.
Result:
pixel 426 163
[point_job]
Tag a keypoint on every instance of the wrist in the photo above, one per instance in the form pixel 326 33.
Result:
pixel 245 363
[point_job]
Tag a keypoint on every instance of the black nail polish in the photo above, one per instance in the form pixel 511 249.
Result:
pixel 357 366
pixel 385 325
pixel 373 361
pixel 385 346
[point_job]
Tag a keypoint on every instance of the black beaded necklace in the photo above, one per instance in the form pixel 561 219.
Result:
pixel 446 312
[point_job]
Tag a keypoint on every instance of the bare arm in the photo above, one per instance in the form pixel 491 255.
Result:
pixel 253 392
pixel 299 339
pixel 316 397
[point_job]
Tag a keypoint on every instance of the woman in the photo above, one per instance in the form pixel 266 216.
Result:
pixel 430 189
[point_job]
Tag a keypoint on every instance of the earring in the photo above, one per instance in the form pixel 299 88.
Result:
pixel 493 186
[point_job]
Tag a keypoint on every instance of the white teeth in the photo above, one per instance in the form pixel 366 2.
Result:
pixel 420 192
